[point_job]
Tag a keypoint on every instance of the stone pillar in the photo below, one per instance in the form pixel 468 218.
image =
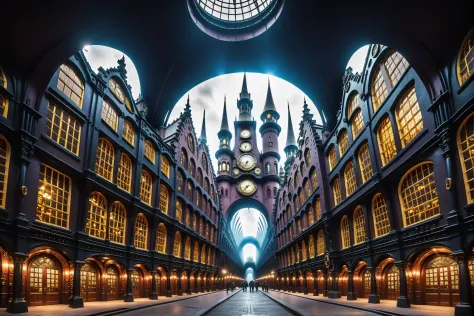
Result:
pixel 351 295
pixel 168 284
pixel 373 297
pixel 464 307
pixel 196 284
pixel 334 293
pixel 129 289
pixel 305 285
pixel 403 300
pixel 75 301
pixel 326 279
pixel 189 284
pixel 153 294
pixel 298 284
pixel 316 284
pixel 180 288
pixel 17 303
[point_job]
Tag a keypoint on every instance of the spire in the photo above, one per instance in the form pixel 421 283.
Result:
pixel 290 139
pixel 245 92
pixel 225 123
pixel 305 108
pixel 203 137
pixel 187 107
pixel 269 104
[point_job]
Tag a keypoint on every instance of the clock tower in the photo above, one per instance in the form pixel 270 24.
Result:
pixel 248 177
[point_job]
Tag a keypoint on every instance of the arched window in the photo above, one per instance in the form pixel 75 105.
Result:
pixel 201 227
pixel 332 159
pixel 321 247
pixel 187 249
pixel 188 218
pixel 212 235
pixel 380 215
pixel 465 67
pixel 350 179
pixel 357 123
pixel 164 198
pixel 196 252
pixel 104 164
pixel 109 115
pixel 465 140
pixel 150 151
pixel 194 222
pixel 267 168
pixel 190 140
pixel 129 132
pixel 204 162
pixel 418 195
pixel 386 141
pixel 297 250
pixel 343 142
pixel 54 197
pixel 301 195
pixel 179 210
pixel 408 114
pixel 183 158
pixel 71 84
pixel 314 179
pixel 177 245
pixel 352 104
pixel 336 191
pixel 180 182
pixel 198 198
pixel 359 226
pixel 306 187
pixel 199 176
pixel 4 171
pixel 275 165
pixel 97 219
pixel 269 192
pixel 206 185
pixel 165 166
pixel 203 254
pixel 63 128
pixel 345 234
pixel 124 173
pixel 297 179
pixel 161 238
pixel 141 232
pixel 365 164
pixel 307 156
pixel 317 208
pixel 190 191
pixel 192 167
pixel 303 251
pixel 146 185
pixel 302 168
pixel 117 223
pixel 311 249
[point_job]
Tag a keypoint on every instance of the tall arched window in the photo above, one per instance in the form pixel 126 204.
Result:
pixel 380 215
pixel 307 157
pixel 165 166
pixel 203 254
pixel 183 158
pixel 352 104
pixel 187 249
pixel 302 168
pixel 117 223
pixel 190 190
pixel 408 114
pixel 71 84
pixel 150 151
pixel 146 185
pixel 206 185
pixel 199 176
pixel 164 198
pixel 365 164
pixel 97 219
pixel 314 179
pixel 192 167
pixel 161 238
pixel 129 132
pixel 336 191
pixel 177 245
pixel 311 249
pixel 386 141
pixel 465 66
pixel 124 173
pixel 332 159
pixel 350 179
pixel 357 123
pixel 4 171
pixel 321 247
pixel 465 140
pixel 180 182
pixel 317 208
pixel 359 226
pixel 196 252
pixel 201 227
pixel 109 115
pixel 301 195
pixel 303 251
pixel 345 234
pixel 306 187
pixel 179 210
pixel 141 232
pixel 418 195
pixel 63 128
pixel 188 218
pixel 343 142
pixel 104 163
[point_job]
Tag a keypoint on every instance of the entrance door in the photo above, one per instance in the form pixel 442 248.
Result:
pixel 342 283
pixel 366 282
pixel 88 283
pixel 44 280
pixel 112 284
pixel 441 281
pixel 393 283
pixel 136 284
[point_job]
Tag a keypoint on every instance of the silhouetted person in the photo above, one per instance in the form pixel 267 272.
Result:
pixel 256 286
pixel 228 286
pixel 252 284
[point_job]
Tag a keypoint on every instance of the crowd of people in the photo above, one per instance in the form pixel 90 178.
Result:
pixel 253 285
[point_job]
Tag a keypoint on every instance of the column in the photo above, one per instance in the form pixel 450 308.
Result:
pixel 208 284
pixel 326 277
pixel 285 287
pixel 129 290
pixel 189 283
pixel 180 289
pixel 334 293
pixel 153 294
pixel 464 307
pixel 305 285
pixel 17 304
pixel 316 284
pixel 403 300
pixel 75 301
pixel 168 284
pixel 351 295
pixel 196 283
pixel 373 297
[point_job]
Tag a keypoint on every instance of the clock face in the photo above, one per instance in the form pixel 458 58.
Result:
pixel 245 146
pixel 247 187
pixel 246 162
pixel 245 133
pixel 236 171
pixel 258 171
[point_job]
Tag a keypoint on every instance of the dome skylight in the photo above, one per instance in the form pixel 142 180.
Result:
pixel 234 10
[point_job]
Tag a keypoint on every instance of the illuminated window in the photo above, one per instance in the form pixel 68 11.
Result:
pixel 199 176
pixel 141 232
pixel 345 234
pixel 386 141
pixel 116 89
pixel 179 210
pixel 332 158
pixel 359 226
pixel 150 151
pixel 164 198
pixel 4 169
pixel 183 158
pixel 70 84
pixel 203 254
pixel 146 185
pixel 212 235
pixel 343 142
pixel 297 179
pixel 117 223
pixel 177 245
pixel 180 182
pixel 466 59
pixel 124 173
pixel 465 142
pixel 187 249
pixel 97 219
pixel 198 198
pixel 311 249
pixel 297 253
pixel 314 180
pixel 307 156
pixel 188 218
pixel 303 251
pixel 235 10
pixel 350 179
pixel 129 133
pixel 301 195
pixel 165 166
pixel 63 128
pixel 418 195
pixel 409 119
pixel 352 104
pixel 109 115
pixel 196 252
pixel 379 89
pixel 380 215
pixel 393 279
pixel 321 247
pixel 357 123
pixel 191 145
pixel 317 208
pixel 104 164
pixel 161 238
pixel 336 190
pixel 54 197
pixel 395 66
pixel 3 99
pixel 365 164
pixel 201 227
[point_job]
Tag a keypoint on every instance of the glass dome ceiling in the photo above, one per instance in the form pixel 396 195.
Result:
pixel 234 10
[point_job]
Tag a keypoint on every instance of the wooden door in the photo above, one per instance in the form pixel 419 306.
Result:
pixel 112 284
pixel 441 282
pixel 310 283
pixel 136 284
pixel 44 282
pixel 366 283
pixel 89 283
pixel 321 284
pixel 393 283
pixel 342 283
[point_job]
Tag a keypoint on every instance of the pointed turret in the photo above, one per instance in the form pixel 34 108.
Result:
pixel 269 110
pixel 245 104
pixel 225 122
pixel 291 148
pixel 224 133
pixel 203 137
pixel 245 92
